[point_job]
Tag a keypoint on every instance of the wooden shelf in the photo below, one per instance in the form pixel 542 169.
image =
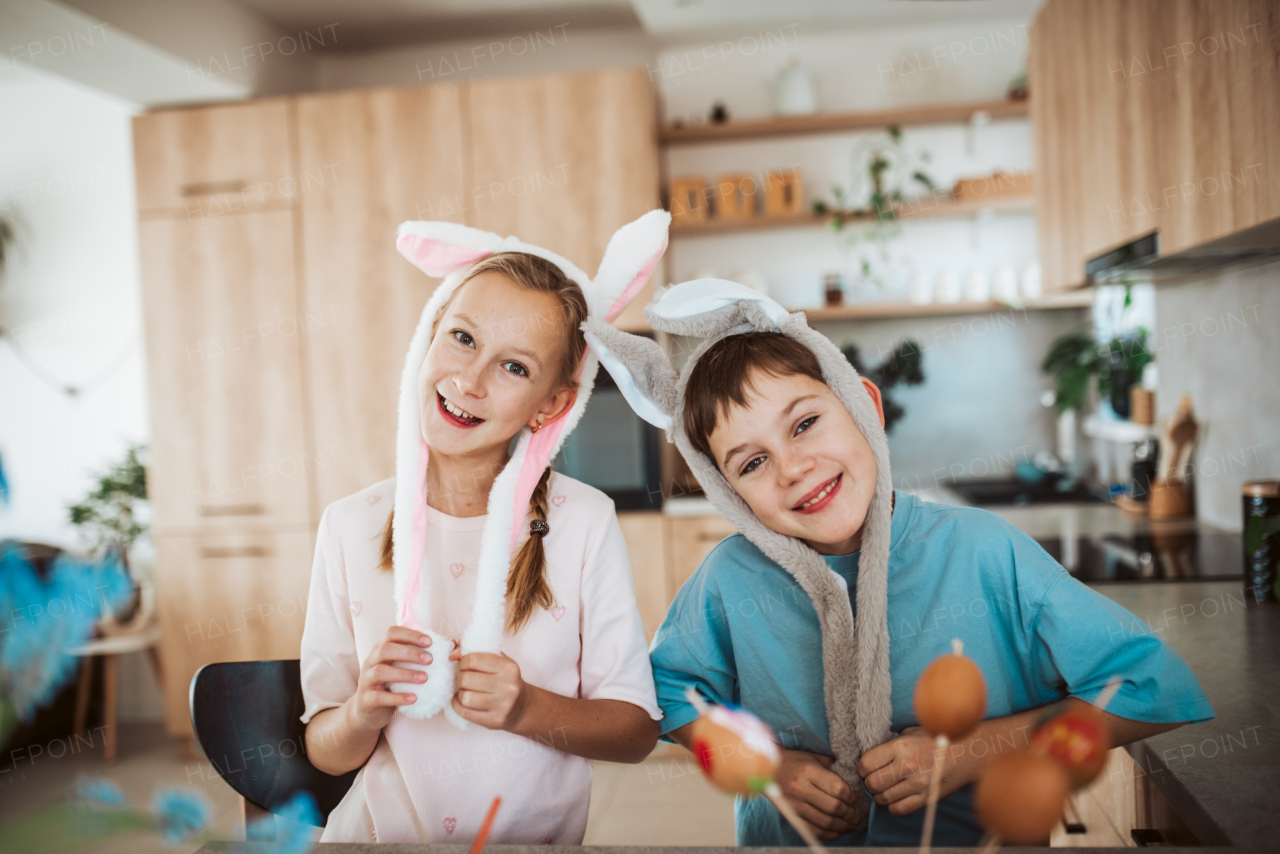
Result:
pixel 922 208
pixel 880 310
pixel 838 122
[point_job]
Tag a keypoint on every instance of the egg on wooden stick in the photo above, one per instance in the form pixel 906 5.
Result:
pixel 950 700
pixel 1021 797
pixel 1077 736
pixel 740 756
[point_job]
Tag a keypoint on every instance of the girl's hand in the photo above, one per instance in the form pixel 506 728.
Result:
pixel 817 794
pixel 897 772
pixel 490 690
pixel 373 705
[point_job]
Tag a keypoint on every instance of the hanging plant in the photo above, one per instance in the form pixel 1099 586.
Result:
pixel 883 176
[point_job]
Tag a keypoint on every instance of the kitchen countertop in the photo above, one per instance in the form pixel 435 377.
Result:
pixel 1221 776
pixel 377 848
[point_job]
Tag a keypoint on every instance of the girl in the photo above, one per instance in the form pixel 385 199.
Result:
pixel 537 662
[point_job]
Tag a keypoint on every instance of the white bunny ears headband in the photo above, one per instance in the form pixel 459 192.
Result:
pixel 449 250
pixel 855 654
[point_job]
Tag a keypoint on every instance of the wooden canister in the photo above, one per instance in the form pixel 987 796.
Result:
pixel 1170 499
pixel 1142 405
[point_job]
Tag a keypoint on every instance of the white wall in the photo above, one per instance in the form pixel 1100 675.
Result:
pixel 70 299
pixel 1218 340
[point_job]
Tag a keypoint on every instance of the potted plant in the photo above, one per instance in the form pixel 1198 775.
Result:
pixel 113 515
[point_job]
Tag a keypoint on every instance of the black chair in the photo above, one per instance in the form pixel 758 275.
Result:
pixel 245 715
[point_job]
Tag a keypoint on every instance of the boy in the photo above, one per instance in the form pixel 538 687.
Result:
pixel 789 444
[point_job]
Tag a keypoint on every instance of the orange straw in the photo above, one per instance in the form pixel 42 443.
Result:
pixel 483 836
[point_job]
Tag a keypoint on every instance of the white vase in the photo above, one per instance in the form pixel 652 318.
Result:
pixel 796 93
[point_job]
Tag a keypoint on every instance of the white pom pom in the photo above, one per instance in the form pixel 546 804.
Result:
pixel 436 693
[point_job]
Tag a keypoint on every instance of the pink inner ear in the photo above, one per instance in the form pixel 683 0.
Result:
pixel 536 458
pixel 436 258
pixel 630 291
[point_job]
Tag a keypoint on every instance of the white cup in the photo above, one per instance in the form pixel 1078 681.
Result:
pixel 947 287
pixel 976 286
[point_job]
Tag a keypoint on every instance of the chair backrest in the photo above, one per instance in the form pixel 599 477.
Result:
pixel 246 718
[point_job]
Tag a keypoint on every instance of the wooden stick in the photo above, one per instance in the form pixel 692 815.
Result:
pixel 935 781
pixel 483 836
pixel 990 844
pixel 775 796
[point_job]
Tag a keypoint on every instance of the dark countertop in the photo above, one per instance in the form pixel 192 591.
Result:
pixel 375 848
pixel 1223 775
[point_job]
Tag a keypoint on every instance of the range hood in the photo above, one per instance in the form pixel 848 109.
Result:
pixel 1141 260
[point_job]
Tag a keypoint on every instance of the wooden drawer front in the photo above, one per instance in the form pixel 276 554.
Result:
pixel 227 598
pixel 223 332
pixel 692 538
pixel 212 161
pixel 397 155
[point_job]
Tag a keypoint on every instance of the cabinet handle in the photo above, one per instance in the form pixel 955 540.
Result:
pixel 234 551
pixel 211 188
pixel 232 510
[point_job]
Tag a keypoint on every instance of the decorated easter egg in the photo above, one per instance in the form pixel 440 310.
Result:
pixel 951 696
pixel 735 749
pixel 1021 796
pixel 1077 738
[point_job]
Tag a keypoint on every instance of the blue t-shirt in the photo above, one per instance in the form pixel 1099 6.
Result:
pixel 744 632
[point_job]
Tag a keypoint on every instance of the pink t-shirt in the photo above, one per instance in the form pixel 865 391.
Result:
pixel 428 781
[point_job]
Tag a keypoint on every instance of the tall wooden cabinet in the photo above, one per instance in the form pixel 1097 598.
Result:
pixel 395 155
pixel 278 311
pixel 1152 115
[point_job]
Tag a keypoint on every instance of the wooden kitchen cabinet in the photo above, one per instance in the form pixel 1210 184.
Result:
pixel 227 419
pixel 563 161
pixel 211 161
pixel 278 310
pixel 1122 799
pixel 1151 115
pixel 692 538
pixel 647 547
pixel 229 597
pixel 393 155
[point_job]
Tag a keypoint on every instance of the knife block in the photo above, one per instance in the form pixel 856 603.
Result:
pixel 1169 499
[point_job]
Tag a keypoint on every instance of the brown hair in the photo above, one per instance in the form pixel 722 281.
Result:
pixel 527 586
pixel 722 377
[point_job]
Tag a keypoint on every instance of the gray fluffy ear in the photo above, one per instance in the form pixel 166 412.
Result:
pixel 639 367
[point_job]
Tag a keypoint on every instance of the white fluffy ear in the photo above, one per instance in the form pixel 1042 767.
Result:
pixel 702 296
pixel 441 248
pixel 629 260
pixel 639 367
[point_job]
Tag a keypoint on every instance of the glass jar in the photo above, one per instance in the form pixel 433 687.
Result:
pixel 1261 500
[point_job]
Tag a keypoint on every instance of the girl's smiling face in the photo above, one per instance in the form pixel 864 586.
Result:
pixel 796 457
pixel 493 367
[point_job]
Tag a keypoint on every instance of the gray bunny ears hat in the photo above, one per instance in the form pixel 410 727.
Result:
pixel 855 653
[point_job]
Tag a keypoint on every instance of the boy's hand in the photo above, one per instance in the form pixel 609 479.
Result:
pixel 897 772
pixel 490 691
pixel 818 795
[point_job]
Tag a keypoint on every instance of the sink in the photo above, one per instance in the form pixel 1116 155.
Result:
pixel 987 492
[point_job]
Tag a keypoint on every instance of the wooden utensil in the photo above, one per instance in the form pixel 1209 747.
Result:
pixel 1176 439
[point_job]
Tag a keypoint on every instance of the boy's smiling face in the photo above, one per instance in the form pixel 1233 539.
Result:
pixel 796 457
